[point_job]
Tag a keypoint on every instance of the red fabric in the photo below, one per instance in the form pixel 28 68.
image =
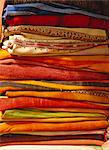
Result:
pixel 32 102
pixel 45 73
pixel 55 63
pixel 76 20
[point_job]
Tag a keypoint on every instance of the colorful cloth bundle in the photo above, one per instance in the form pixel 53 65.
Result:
pixel 54 74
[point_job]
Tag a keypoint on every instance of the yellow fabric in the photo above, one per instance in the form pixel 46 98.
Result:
pixel 62 95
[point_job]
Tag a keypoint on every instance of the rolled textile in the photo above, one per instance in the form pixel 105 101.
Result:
pixel 56 20
pixel 32 102
pixel 32 85
pixel 78 95
pixel 11 127
pixel 48 8
pixel 44 73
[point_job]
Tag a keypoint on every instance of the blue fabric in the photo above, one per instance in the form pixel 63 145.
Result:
pixel 47 9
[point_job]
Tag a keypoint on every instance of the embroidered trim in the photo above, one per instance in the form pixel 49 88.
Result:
pixel 54 32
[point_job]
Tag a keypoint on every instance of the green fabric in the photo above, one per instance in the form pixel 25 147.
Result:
pixel 31 113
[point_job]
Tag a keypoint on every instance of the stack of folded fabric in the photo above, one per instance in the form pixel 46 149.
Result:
pixel 54 73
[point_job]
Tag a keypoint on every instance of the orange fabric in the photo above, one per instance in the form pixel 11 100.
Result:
pixel 57 120
pixel 59 63
pixel 61 95
pixel 11 127
pixel 33 102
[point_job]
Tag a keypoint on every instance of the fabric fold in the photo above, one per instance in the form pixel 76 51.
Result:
pixel 11 127
pixel 32 102
pixel 32 85
pixel 80 95
pixel 44 73
pixel 84 21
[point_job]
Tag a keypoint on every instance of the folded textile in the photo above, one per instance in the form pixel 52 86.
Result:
pixel 63 133
pixel 42 114
pixel 61 63
pixel 54 147
pixel 55 60
pixel 55 110
pixel 78 95
pixel 18 45
pixel 47 42
pixel 32 85
pixel 58 147
pixel 81 110
pixel 33 138
pixel 55 120
pixel 87 35
pixel 59 142
pixel 44 73
pixel 32 48
pixel 40 8
pixel 21 72
pixel 57 20
pixel 32 51
pixel 32 102
pixel 13 127
pixel 93 6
